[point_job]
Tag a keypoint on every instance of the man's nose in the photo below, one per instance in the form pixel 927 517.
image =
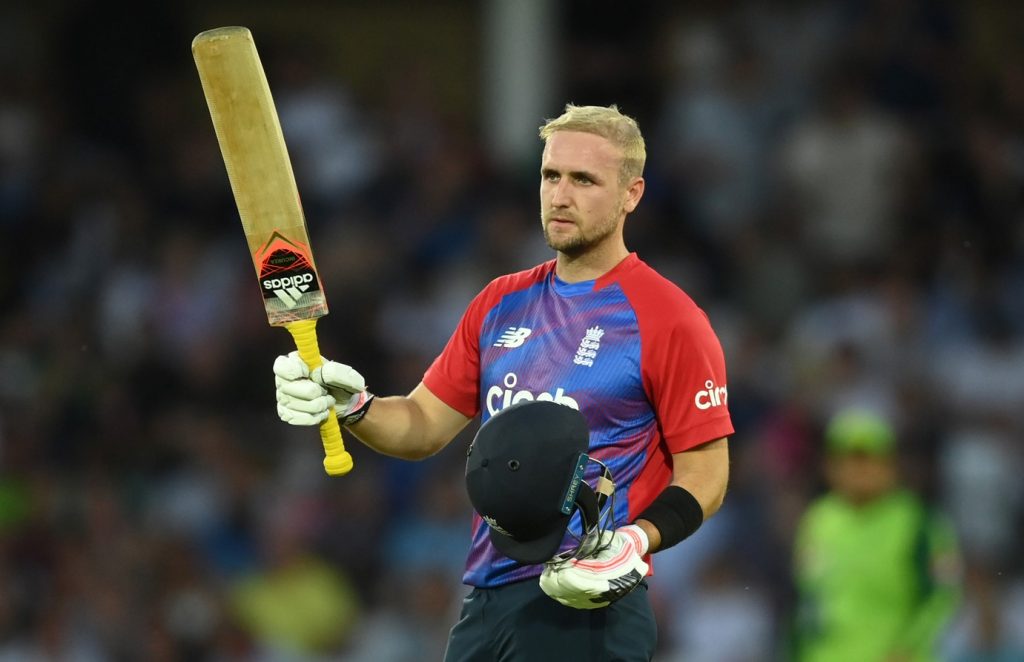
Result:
pixel 560 194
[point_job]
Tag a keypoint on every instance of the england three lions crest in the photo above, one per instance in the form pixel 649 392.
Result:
pixel 591 343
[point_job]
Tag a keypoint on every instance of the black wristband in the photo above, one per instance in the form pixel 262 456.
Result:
pixel 675 513
pixel 357 415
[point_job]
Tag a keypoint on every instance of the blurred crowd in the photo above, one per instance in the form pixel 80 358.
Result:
pixel 840 185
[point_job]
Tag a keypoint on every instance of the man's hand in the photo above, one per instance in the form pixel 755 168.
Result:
pixel 600 579
pixel 305 398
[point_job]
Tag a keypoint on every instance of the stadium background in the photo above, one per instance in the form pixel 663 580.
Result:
pixel 839 184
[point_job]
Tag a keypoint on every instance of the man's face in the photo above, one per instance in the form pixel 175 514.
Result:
pixel 582 202
pixel 861 477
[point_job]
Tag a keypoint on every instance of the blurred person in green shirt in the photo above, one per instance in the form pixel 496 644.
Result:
pixel 877 570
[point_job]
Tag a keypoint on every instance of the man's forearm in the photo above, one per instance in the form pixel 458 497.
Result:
pixel 411 427
pixel 396 426
pixel 703 473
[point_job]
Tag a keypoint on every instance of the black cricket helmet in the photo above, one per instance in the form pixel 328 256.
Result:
pixel 525 477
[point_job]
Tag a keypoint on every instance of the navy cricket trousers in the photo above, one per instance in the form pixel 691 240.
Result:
pixel 519 623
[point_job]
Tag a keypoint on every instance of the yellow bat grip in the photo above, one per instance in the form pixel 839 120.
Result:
pixel 337 462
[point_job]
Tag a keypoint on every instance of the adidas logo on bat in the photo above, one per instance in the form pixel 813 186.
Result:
pixel 289 289
pixel 288 281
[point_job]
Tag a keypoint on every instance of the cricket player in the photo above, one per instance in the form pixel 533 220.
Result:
pixel 877 570
pixel 597 330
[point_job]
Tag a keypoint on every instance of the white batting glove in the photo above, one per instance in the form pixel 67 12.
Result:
pixel 305 398
pixel 602 578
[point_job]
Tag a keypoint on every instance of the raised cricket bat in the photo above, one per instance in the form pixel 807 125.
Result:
pixel 251 141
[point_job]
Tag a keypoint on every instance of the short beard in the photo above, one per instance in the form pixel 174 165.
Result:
pixel 581 243
pixel 571 246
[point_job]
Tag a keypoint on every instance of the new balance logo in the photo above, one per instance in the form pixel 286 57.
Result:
pixel 513 337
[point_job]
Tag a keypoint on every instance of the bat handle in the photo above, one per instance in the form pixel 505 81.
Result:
pixel 338 461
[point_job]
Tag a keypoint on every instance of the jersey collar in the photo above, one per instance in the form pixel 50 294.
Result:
pixel 575 289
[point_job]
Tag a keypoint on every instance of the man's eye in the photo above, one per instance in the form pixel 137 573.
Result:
pixel 551 176
pixel 583 179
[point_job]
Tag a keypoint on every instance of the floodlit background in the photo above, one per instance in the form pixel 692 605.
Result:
pixel 840 185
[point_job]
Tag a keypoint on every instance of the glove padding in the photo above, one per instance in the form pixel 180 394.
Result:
pixel 306 398
pixel 604 576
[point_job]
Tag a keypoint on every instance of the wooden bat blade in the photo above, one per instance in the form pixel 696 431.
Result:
pixel 252 144
pixel 262 181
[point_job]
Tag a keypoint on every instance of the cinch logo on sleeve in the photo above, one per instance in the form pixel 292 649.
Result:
pixel 712 396
pixel 498 398
pixel 513 337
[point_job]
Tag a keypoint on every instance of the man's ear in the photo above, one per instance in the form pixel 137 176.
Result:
pixel 634 192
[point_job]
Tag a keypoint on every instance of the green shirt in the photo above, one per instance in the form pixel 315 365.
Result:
pixel 873 580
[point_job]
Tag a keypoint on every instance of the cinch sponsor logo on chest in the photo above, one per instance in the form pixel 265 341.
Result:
pixel 711 396
pixel 498 398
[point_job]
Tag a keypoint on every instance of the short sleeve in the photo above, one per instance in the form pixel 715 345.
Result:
pixel 682 363
pixel 686 379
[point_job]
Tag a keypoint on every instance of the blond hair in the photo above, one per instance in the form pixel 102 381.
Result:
pixel 607 122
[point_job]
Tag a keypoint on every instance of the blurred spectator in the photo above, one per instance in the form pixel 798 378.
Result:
pixel 712 138
pixel 411 620
pixel 980 469
pixel 296 605
pixel 847 163
pixel 332 144
pixel 991 624
pixel 725 617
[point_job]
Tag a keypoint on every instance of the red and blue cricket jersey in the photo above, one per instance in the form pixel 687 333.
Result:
pixel 630 350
